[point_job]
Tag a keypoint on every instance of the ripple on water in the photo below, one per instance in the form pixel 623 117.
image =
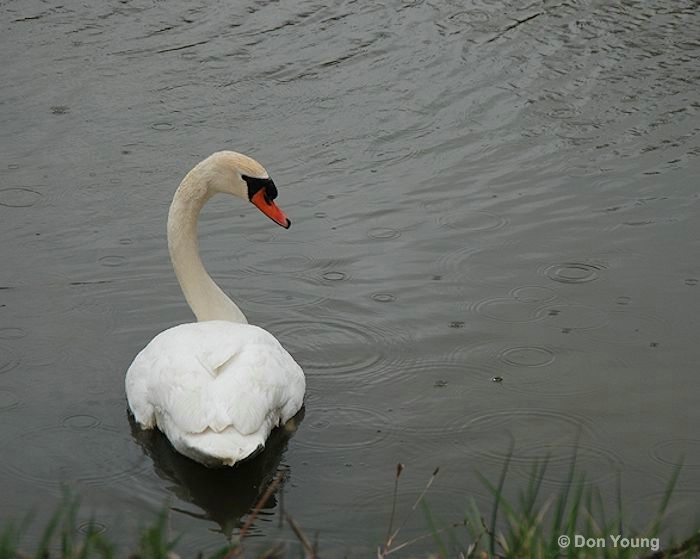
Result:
pixel 597 463
pixel 294 292
pixel 541 370
pixel 286 263
pixel 19 197
pixel 533 294
pixel 12 333
pixel 71 304
pixel 563 111
pixel 527 356
pixel 420 380
pixel 520 307
pixel 334 276
pixel 9 360
pixel 383 233
pixel 77 451
pixel 333 347
pixel 92 527
pixel 112 260
pixel 383 297
pixel 470 221
pixel 485 266
pixel 464 21
pixel 8 400
pixel 677 452
pixel 639 222
pixel 81 421
pixel 449 215
pixel 507 309
pixel 566 318
pixel 59 110
pixel 162 126
pixel 625 327
pixel 259 237
pixel 377 502
pixel 573 272
pixel 550 424
pixel 341 427
pixel 492 435
pixel 684 503
pixel 62 296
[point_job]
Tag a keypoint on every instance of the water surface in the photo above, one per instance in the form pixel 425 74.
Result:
pixel 478 191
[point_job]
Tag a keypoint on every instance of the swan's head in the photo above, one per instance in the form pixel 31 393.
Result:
pixel 242 176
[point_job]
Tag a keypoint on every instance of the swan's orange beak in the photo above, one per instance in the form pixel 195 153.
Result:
pixel 270 209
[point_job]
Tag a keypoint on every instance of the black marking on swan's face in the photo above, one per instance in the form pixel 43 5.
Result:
pixel 256 184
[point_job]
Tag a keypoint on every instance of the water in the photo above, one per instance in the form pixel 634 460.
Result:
pixel 494 242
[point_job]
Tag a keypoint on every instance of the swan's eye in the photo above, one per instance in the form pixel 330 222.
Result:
pixel 255 185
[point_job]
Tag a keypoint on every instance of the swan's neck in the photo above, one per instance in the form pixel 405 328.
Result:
pixel 205 298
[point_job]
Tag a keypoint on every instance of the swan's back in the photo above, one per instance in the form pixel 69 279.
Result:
pixel 215 388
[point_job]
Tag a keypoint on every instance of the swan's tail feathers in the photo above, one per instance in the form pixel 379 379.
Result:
pixel 224 448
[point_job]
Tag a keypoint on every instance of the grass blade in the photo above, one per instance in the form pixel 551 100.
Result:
pixel 499 497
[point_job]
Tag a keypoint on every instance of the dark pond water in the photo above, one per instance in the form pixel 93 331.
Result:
pixel 472 198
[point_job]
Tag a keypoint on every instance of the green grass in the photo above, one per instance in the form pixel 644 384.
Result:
pixel 529 527
pixel 534 524
pixel 60 535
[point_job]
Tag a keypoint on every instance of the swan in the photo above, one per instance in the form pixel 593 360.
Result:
pixel 216 387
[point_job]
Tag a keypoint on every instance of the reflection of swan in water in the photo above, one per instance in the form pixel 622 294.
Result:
pixel 225 495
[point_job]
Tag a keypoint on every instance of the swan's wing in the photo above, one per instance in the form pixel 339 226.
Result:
pixel 214 376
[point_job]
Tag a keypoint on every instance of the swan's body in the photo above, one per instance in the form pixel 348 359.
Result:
pixel 217 387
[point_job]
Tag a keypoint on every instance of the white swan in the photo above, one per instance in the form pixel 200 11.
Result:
pixel 217 387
